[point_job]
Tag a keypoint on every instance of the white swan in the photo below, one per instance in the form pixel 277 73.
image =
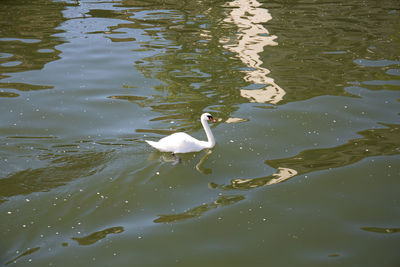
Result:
pixel 184 143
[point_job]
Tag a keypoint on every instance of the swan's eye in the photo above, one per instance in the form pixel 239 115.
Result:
pixel 210 118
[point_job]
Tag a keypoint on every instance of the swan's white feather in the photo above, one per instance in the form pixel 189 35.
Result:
pixel 178 143
pixel 184 143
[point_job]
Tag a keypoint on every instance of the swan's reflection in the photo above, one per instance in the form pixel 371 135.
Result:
pixel 248 43
pixel 175 159
pixel 199 166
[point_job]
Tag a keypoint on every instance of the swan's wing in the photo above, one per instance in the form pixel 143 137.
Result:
pixel 177 138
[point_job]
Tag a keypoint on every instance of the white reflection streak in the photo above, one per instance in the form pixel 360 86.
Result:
pixel 249 42
pixel 281 175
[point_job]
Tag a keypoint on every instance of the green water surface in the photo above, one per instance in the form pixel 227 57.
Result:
pixel 306 169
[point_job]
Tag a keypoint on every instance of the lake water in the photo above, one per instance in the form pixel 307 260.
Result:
pixel 306 168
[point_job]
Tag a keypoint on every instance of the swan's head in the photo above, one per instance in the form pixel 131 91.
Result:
pixel 207 117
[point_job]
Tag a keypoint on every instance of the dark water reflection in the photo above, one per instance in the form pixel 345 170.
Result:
pixel 335 27
pixel 199 210
pixel 96 236
pixel 196 72
pixel 61 167
pixel 380 230
pixel 26 253
pixel 27 38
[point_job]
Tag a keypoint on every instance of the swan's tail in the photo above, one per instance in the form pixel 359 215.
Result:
pixel 153 144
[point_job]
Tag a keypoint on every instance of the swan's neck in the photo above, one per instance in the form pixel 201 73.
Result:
pixel 210 136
